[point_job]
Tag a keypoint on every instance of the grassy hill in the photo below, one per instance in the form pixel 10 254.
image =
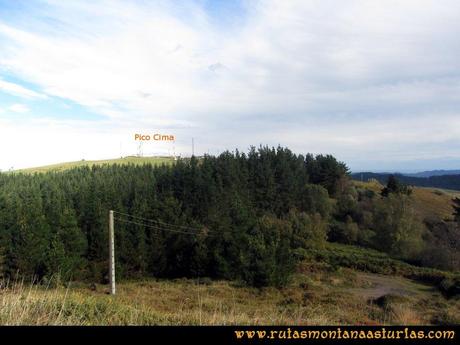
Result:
pixel 333 284
pixel 157 160
pixel 428 202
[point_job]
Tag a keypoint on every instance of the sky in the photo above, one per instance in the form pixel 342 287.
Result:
pixel 375 83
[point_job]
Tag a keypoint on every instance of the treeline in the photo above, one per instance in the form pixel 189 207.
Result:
pixel 238 216
pixel 235 216
pixel 442 181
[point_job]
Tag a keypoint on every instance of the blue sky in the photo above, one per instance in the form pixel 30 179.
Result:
pixel 376 83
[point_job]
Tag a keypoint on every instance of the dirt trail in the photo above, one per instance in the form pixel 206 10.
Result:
pixel 380 285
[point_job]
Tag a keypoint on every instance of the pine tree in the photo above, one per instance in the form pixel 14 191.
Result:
pixel 396 187
pixel 57 222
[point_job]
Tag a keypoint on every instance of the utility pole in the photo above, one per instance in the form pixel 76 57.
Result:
pixel 111 254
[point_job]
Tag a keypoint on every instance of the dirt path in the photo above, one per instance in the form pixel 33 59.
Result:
pixel 379 285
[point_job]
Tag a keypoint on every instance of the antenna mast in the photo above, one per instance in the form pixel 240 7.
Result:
pixel 193 146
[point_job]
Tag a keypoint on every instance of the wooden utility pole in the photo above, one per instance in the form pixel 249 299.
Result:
pixel 111 254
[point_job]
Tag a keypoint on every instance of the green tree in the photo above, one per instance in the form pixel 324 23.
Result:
pixel 250 211
pixel 397 228
pixel 30 232
pixel 327 172
pixel 315 199
pixel 268 257
pixel 394 186
pixel 308 230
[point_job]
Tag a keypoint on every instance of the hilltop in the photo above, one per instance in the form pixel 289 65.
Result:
pixel 428 201
pixel 155 160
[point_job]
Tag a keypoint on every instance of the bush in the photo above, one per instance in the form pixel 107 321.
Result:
pixel 315 199
pixel 389 301
pixel 268 258
pixel 450 287
pixel 369 260
pixel 308 230
pixel 398 230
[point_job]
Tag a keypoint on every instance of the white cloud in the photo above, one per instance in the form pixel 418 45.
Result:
pixel 330 76
pixel 19 108
pixel 19 90
pixel 46 141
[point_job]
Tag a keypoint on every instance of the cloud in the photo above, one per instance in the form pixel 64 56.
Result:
pixel 215 67
pixel 370 77
pixel 19 90
pixel 19 108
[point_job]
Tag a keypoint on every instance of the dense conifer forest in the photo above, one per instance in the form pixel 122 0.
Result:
pixel 238 216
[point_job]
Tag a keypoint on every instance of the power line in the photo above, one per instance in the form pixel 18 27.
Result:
pixel 179 226
pixel 158 221
pixel 156 227
pixel 112 238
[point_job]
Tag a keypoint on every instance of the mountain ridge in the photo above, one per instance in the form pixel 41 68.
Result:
pixel 451 182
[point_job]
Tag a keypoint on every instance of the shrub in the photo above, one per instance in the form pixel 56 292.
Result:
pixel 315 199
pixel 398 230
pixel 268 258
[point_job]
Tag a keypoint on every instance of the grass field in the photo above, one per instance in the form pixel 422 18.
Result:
pixel 320 293
pixel 125 160
pixel 434 202
pixel 343 297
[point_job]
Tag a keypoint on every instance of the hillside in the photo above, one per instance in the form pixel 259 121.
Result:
pixel 156 160
pixel 198 239
pixel 431 202
pixel 451 182
pixel 332 287
pixel 428 202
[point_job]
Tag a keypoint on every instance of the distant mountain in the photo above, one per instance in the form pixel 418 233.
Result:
pixel 434 173
pixel 442 181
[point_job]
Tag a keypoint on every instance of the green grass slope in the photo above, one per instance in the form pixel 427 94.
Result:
pixel 156 160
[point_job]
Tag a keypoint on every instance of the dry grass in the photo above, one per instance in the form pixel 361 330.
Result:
pixel 31 304
pixel 428 202
pixel 431 202
pixel 373 185
pixel 402 314
pixel 315 297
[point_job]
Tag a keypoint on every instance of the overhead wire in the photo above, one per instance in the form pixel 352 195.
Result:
pixel 156 227
pixel 159 222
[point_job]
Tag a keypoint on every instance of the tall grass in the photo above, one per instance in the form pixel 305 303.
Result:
pixel 316 296
pixel 34 304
